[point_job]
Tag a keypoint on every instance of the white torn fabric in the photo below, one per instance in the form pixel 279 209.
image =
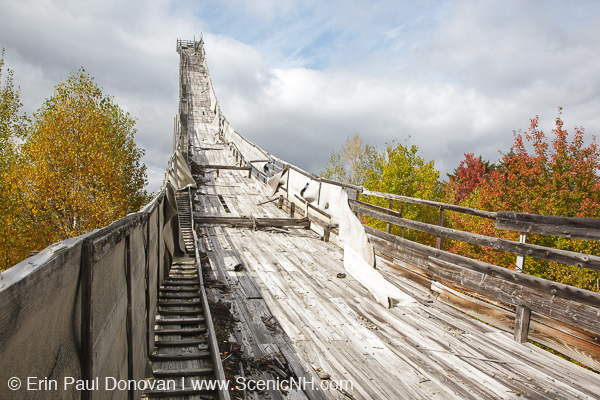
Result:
pixel 295 183
pixel 251 152
pixel 359 259
pixel 259 165
pixel 213 97
pixel 311 194
pixel 352 232
pixel 275 181
pixel 329 200
pixel 214 127
pixel 384 292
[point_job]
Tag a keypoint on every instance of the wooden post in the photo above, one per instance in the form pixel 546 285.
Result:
pixel 292 209
pixel 250 172
pixel 87 344
pixel 326 233
pixel 280 202
pixel 129 317
pixel 147 279
pixel 217 172
pixel 388 227
pixel 520 265
pixel 522 318
pixel 438 240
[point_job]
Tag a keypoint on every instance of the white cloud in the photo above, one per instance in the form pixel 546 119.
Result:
pixel 299 77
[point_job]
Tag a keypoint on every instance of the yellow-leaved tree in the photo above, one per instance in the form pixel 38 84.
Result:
pixel 80 168
pixel 397 169
pixel 12 128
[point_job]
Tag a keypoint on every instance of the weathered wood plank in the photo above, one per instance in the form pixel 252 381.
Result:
pixel 87 343
pixel 248 222
pixel 586 353
pixel 344 185
pixel 488 313
pixel 313 207
pixel 580 350
pixel 234 167
pixel 576 228
pixel 522 319
pixel 568 304
pixel 524 249
pixel 571 330
pixel 436 204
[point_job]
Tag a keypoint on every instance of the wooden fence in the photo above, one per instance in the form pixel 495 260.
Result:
pixel 85 307
pixel 562 317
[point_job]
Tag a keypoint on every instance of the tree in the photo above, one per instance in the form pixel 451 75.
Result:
pixel 401 170
pixel 12 127
pixel 397 169
pixel 470 173
pixel 81 168
pixel 559 178
pixel 354 163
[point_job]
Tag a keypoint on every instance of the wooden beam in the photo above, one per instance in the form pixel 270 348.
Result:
pixel 523 249
pixel 388 227
pixel 129 316
pixel 224 167
pixel 436 204
pixel 576 228
pixel 572 305
pixel 585 351
pixel 344 185
pixel 247 222
pixel 523 316
pixel 488 313
pixel 317 209
pixel 326 233
pixel 439 239
pixel 87 343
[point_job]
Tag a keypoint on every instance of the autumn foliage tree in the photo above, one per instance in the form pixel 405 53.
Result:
pixel 470 173
pixel 401 170
pixel 559 177
pixel 12 127
pixel 353 164
pixel 78 167
pixel 397 169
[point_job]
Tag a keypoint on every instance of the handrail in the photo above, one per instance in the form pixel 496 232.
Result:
pixel 576 228
pixel 431 203
pixel 550 287
pixel 344 185
pixel 524 249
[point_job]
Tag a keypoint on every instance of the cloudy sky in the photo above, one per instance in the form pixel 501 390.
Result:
pixel 298 77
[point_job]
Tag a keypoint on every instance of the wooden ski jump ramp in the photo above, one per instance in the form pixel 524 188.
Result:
pixel 239 271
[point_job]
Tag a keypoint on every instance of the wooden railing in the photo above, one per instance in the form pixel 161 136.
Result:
pixel 562 317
